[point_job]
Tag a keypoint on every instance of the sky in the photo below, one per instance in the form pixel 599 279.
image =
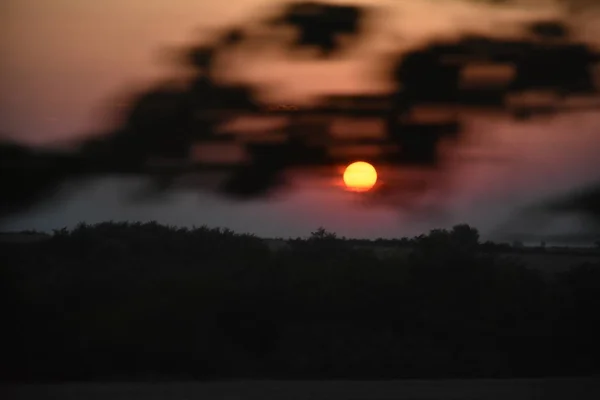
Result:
pixel 63 63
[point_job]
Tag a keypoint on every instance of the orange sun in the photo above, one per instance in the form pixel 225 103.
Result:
pixel 360 176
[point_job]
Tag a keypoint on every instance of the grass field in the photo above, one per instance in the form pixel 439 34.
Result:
pixel 509 389
pixel 548 262
pixel 553 263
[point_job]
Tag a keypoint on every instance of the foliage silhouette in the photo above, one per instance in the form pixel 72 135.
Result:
pixel 128 301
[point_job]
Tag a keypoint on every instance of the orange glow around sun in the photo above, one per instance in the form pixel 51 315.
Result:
pixel 360 176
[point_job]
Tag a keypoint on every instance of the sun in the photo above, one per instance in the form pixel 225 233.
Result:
pixel 360 176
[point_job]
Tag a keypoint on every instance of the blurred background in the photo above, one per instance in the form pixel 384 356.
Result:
pixel 244 115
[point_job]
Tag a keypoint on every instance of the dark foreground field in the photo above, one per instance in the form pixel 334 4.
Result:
pixel 501 389
pixel 124 302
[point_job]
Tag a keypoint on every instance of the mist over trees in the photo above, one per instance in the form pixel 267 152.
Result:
pixel 120 301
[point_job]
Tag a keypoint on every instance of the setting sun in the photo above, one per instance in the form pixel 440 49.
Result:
pixel 360 176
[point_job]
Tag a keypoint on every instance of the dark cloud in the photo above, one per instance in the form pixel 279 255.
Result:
pixel 584 202
pixel 160 128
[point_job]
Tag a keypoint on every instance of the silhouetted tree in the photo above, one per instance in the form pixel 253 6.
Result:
pixel 322 234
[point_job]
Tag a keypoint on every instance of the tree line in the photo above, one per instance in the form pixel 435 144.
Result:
pixel 123 301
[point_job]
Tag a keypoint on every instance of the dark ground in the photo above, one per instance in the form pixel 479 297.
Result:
pixel 509 389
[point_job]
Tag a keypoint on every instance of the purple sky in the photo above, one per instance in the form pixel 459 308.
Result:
pixel 63 62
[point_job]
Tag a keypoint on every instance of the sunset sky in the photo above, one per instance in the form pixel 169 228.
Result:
pixel 63 63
